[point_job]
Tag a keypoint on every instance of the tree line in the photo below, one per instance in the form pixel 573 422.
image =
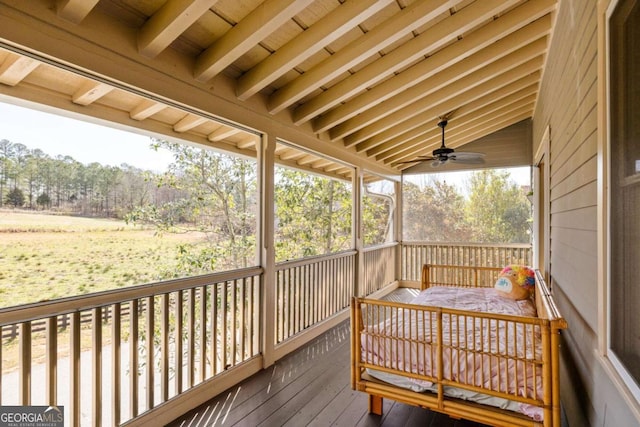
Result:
pixel 32 179
pixel 217 195
pixel 495 210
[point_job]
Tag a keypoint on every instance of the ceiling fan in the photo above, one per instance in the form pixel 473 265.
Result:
pixel 444 154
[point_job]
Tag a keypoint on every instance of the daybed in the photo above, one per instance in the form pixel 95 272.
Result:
pixel 461 348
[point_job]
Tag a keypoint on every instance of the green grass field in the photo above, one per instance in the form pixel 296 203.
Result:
pixel 44 257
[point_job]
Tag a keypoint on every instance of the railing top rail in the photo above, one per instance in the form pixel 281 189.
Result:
pixel 44 309
pixel 380 246
pixel 283 265
pixel 418 308
pixel 479 245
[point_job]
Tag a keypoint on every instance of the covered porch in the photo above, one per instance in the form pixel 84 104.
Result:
pixel 349 90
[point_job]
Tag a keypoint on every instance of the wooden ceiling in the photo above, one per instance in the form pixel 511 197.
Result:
pixel 367 79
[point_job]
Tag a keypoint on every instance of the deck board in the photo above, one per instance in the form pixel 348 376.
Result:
pixel 309 387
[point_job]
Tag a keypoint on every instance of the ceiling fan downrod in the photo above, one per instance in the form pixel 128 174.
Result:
pixel 443 151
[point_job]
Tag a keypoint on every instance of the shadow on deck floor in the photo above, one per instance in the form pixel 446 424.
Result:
pixel 309 387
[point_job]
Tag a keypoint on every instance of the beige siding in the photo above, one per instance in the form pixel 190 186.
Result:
pixel 586 217
pixel 568 105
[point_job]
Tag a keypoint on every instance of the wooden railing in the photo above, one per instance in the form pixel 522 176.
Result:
pixel 416 254
pixel 379 268
pixel 311 290
pixel 140 347
pixel 160 341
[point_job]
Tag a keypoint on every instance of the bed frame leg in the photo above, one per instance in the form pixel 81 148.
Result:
pixel 375 404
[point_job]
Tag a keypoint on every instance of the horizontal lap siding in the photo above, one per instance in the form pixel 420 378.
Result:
pixel 568 105
pixel 582 219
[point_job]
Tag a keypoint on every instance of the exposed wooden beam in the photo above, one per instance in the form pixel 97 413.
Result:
pixel 16 68
pixel 409 19
pixel 90 92
pixel 482 45
pixel 251 141
pixel 309 169
pixel 146 109
pixel 472 71
pixel 307 160
pixel 498 154
pixel 470 44
pixel 404 140
pixel 482 127
pixel 222 132
pixel 429 41
pixel 333 26
pixel 291 154
pixel 480 109
pixel 473 125
pixel 188 122
pixel 452 96
pixel 496 94
pixel 75 10
pixel 168 23
pixel 321 163
pixel 343 170
pixel 333 167
pixel 280 148
pixel 255 27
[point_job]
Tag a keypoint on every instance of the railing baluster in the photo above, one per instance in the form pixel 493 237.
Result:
pixel 331 284
pixel 305 296
pixel 254 298
pixel 164 348
pixel 289 304
pixel 115 363
pixel 241 315
pixel 191 344
pixel 74 369
pixel 178 343
pixel 298 298
pixel 415 254
pixel 224 326
pixel 214 329
pixel 25 363
pixel 203 333
pixel 314 294
pixel 332 287
pixel 133 358
pixel 234 325
pixel 325 295
pixel 96 371
pixel 150 349
pixel 51 362
pixel 340 283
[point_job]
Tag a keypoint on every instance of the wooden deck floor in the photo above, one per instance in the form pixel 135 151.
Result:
pixel 310 387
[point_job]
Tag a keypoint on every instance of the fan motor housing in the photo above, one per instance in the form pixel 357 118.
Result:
pixel 442 151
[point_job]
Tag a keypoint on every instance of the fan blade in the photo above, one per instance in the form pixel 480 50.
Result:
pixel 436 163
pixel 467 160
pixel 459 155
pixel 416 160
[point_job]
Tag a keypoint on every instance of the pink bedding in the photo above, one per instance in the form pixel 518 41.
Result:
pixel 477 351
